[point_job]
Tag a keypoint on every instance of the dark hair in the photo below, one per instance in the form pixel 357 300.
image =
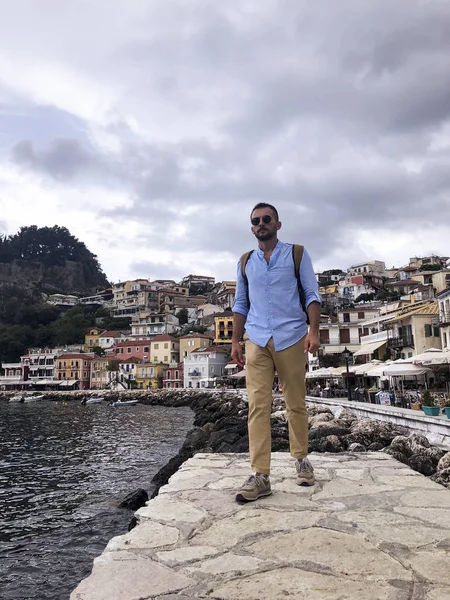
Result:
pixel 265 205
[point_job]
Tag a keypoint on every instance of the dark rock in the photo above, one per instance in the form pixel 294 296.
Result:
pixel 376 447
pixel 398 455
pixel 329 443
pixel 422 464
pixel 132 524
pixel 442 477
pixel 357 448
pixel 327 428
pixel 346 419
pixel 134 500
pixel 444 462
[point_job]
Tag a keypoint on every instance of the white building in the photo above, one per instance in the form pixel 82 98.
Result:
pixel 346 331
pixel 373 267
pixel 203 366
pixel 148 325
pixel 443 320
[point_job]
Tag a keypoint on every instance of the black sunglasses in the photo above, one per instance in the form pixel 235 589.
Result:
pixel 265 219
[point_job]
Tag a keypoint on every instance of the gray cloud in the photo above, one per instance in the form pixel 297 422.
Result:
pixel 327 111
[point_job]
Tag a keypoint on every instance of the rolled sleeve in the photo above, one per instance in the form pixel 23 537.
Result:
pixel 308 279
pixel 240 300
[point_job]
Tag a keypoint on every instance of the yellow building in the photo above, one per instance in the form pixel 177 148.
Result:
pixel 165 349
pixel 193 341
pixel 91 338
pixel 223 328
pixel 149 375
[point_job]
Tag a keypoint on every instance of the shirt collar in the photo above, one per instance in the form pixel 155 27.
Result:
pixel 275 251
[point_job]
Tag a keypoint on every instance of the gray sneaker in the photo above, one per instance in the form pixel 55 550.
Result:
pixel 305 472
pixel 256 486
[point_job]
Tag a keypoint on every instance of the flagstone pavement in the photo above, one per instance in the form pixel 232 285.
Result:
pixel 370 529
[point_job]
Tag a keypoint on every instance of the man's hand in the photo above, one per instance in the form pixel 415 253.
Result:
pixel 312 342
pixel 236 354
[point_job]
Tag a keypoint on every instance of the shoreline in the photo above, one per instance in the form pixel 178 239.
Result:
pixel 220 426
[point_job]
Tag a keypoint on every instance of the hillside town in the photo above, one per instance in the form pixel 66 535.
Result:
pixel 180 332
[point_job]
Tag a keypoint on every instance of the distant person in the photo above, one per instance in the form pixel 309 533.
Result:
pixel 269 307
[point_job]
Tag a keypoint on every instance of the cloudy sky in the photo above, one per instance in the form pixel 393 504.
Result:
pixel 149 128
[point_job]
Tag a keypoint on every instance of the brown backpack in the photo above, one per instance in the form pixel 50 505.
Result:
pixel 297 255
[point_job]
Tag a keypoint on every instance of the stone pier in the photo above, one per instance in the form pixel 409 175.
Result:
pixel 370 529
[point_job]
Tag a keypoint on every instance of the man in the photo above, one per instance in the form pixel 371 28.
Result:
pixel 276 338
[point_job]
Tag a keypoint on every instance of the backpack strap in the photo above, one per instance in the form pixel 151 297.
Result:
pixel 297 255
pixel 244 260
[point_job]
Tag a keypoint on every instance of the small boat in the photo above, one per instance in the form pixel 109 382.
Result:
pixel 124 403
pixel 26 398
pixel 18 398
pixel 95 400
pixel 33 398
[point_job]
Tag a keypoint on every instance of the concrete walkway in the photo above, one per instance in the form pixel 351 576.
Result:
pixel 370 529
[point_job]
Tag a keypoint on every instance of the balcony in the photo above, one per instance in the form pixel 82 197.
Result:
pixel 405 341
pixel 443 318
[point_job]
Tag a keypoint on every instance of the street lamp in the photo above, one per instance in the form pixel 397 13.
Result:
pixel 347 354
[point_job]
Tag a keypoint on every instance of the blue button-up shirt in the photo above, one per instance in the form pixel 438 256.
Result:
pixel 275 309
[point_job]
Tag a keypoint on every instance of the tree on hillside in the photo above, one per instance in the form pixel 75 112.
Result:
pixel 183 316
pixel 52 246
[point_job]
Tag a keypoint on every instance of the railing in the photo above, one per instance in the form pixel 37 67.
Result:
pixel 380 336
pixel 401 342
pixel 443 318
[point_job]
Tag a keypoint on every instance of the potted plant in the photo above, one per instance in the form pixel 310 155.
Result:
pixel 429 404
pixel 447 408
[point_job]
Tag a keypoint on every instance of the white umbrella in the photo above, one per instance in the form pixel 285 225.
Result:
pixel 432 354
pixel 378 370
pixel 442 357
pixel 319 373
pixel 404 369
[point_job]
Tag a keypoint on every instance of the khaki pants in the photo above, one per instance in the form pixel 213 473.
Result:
pixel 261 364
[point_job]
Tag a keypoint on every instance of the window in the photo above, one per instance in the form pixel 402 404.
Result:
pixel 410 354
pixel 137 350
pixel 427 330
pixel 361 315
pixel 166 346
pixel 344 336
pixel 168 375
pixel 155 359
pixel 128 350
pixel 436 331
pixel 346 317
pixel 156 346
pixel 176 374
pixel 166 359
pixel 445 340
pixel 85 374
pixel 146 349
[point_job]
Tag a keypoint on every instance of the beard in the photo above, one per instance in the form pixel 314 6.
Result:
pixel 264 235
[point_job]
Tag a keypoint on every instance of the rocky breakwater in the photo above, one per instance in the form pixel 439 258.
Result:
pixel 220 426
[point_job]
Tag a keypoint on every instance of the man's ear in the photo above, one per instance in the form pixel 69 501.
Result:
pixel 279 225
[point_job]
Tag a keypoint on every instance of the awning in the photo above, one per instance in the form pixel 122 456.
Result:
pixel 68 382
pixel 369 348
pixel 239 375
pixel 231 366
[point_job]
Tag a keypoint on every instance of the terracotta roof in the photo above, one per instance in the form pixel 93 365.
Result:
pixel 189 336
pixel 85 355
pixel 133 343
pixel 404 282
pixel 130 359
pixel 164 338
pixel 112 333
pixel 429 308
pixel 210 349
